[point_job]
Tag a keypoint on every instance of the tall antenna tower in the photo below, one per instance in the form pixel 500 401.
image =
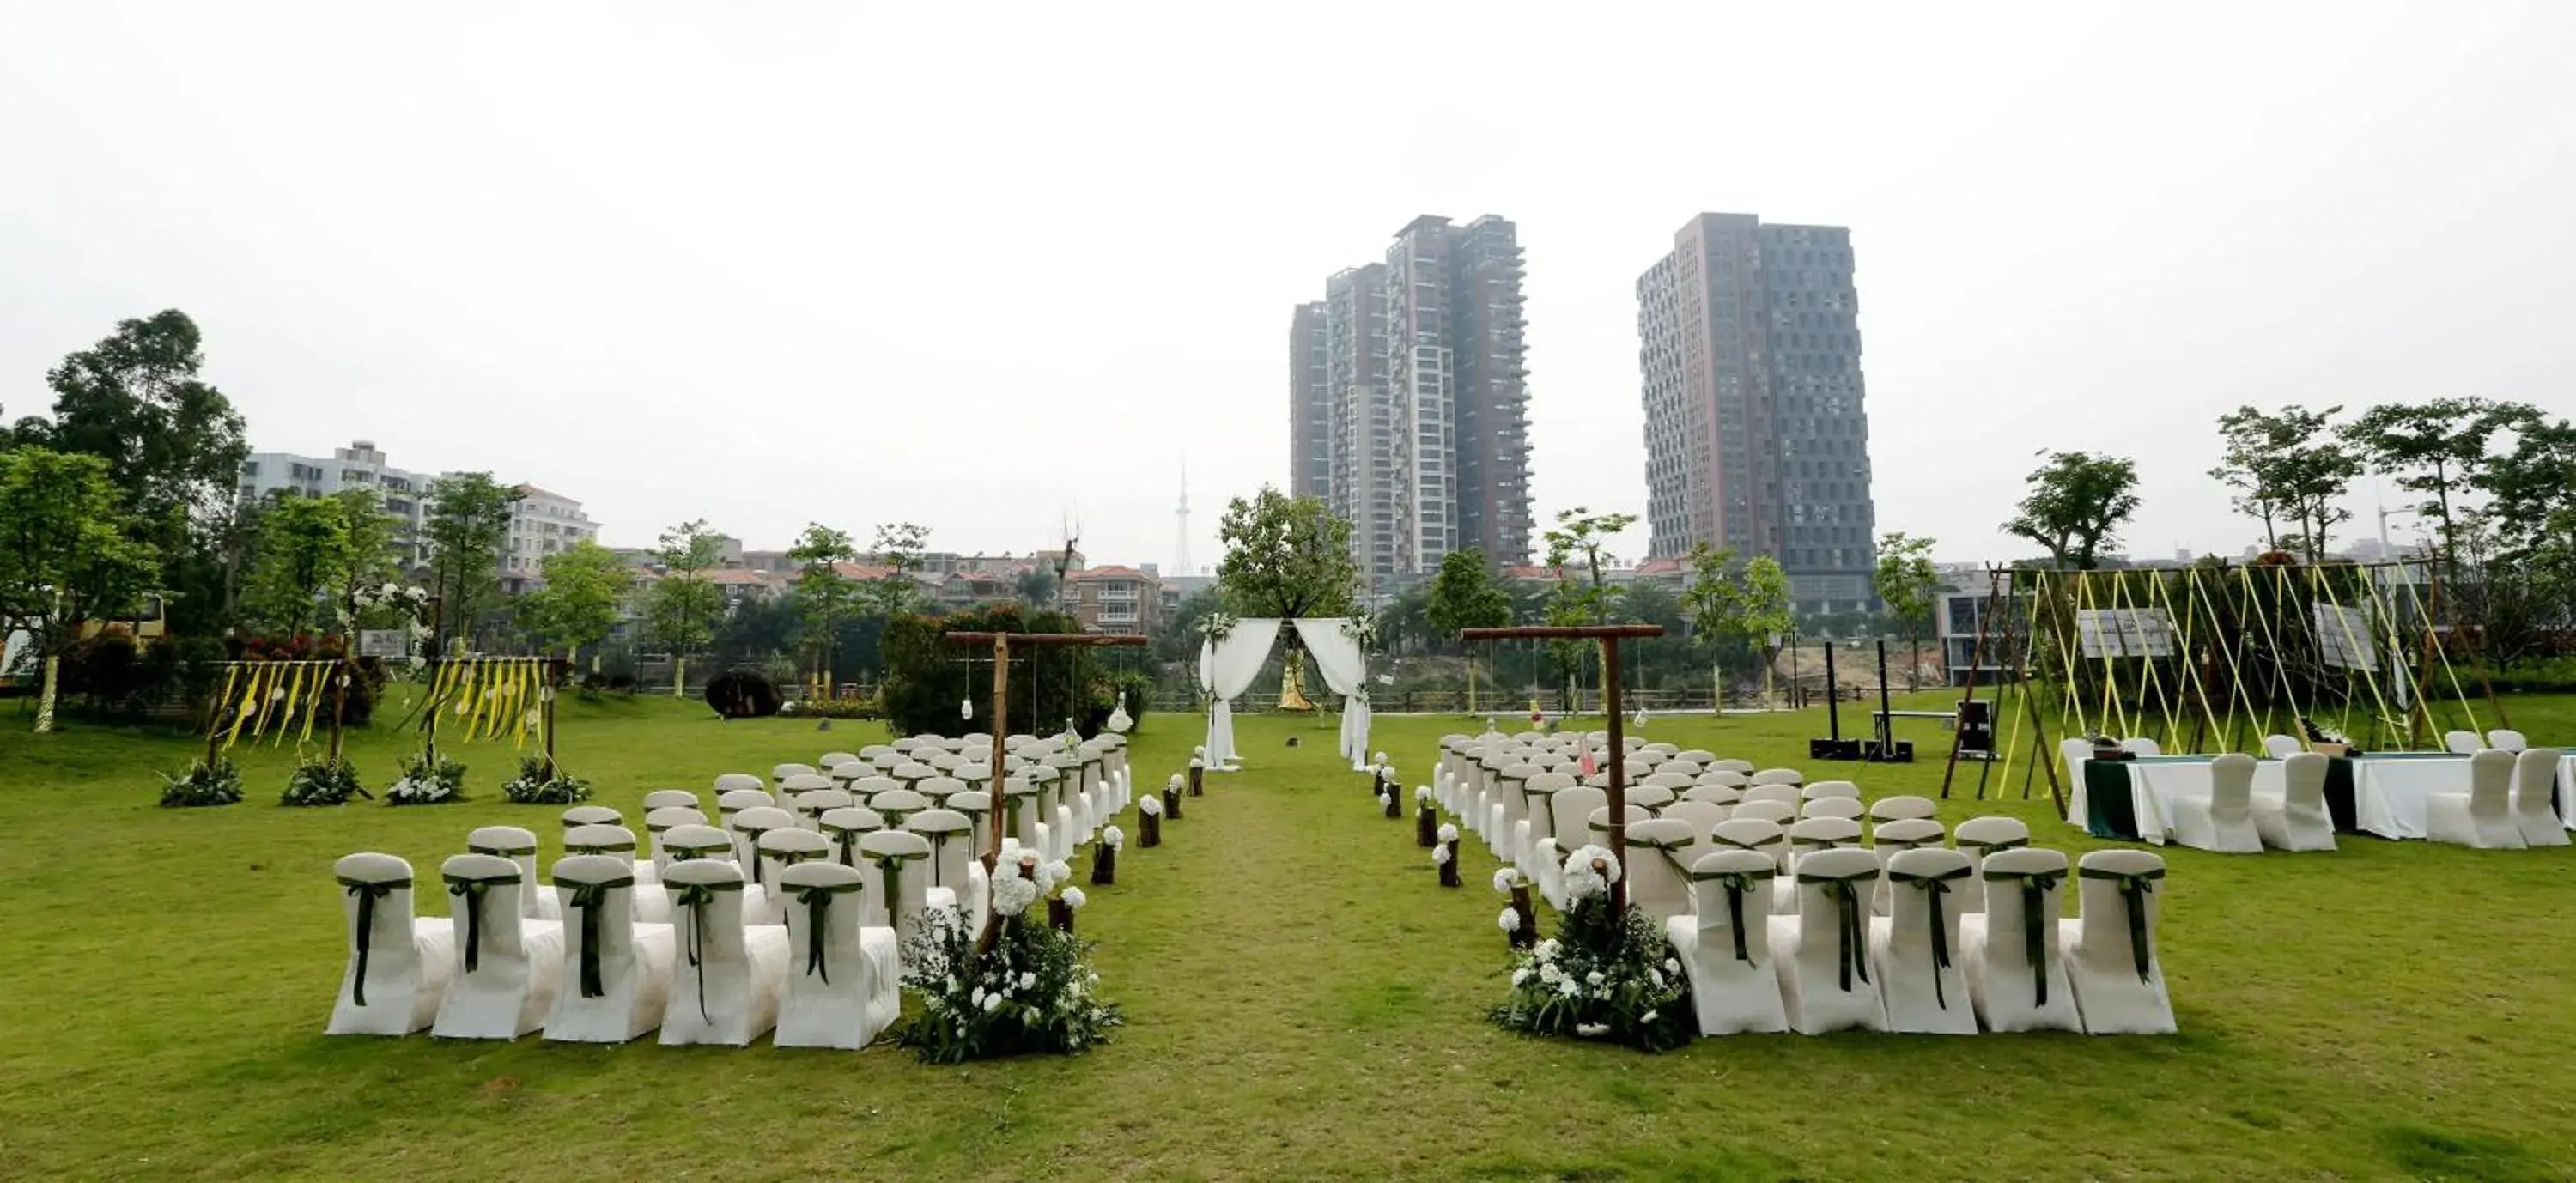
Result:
pixel 1181 548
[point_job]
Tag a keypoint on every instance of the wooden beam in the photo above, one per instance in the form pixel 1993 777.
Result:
pixel 1572 632
pixel 1616 784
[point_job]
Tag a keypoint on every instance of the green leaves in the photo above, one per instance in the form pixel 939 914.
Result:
pixel 1906 579
pixel 578 603
pixel 2076 504
pixel 63 561
pixel 1464 595
pixel 1286 556
pixel 469 519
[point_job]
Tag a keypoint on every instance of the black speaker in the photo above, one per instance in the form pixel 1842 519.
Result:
pixel 1976 728
pixel 1833 749
pixel 1896 752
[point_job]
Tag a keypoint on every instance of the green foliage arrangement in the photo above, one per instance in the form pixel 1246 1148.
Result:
pixel 534 787
pixel 205 783
pixel 1606 975
pixel 852 707
pixel 322 781
pixel 1031 992
pixel 427 781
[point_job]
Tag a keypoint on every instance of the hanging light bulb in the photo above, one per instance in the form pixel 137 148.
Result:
pixel 1641 717
pixel 1119 719
pixel 966 709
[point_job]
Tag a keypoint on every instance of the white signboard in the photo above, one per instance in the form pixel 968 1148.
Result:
pixel 2125 632
pixel 2343 638
pixel 384 642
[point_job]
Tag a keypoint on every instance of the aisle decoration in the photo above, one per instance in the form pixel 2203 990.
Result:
pixel 1445 856
pixel 1031 992
pixel 1426 817
pixel 1172 797
pixel 1519 920
pixel 206 782
pixel 541 782
pixel 427 780
pixel 1606 975
pixel 323 781
pixel 1104 857
pixel 1149 820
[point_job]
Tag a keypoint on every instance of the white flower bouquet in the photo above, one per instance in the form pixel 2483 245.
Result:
pixel 1606 975
pixel 1033 991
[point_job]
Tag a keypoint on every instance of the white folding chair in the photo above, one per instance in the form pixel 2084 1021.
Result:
pixel 1784 794
pixel 737 781
pixel 1651 798
pixel 783 771
pixel 2297 819
pixel 1921 979
pixel 843 978
pixel 747 827
pixel 1700 816
pixel 2535 777
pixel 2462 743
pixel 2224 820
pixel 1843 807
pixel 2506 739
pixel 779 849
pixel 659 822
pixel 591 815
pixel 1822 952
pixel 844 827
pixel 953 867
pixel 1724 944
pixel 1780 776
pixel 617 972
pixel 2111 963
pixel 1540 791
pixel 812 804
pixel 2139 745
pixel 898 879
pixel 2483 817
pixel 508 968
pixel 726 983
pixel 1888 839
pixel 1976 838
pixel 1769 810
pixel 2016 975
pixel 399 964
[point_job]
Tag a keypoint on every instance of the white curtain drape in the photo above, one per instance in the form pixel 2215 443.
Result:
pixel 1228 666
pixel 1337 656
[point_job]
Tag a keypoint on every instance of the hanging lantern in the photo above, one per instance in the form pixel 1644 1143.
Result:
pixel 966 709
pixel 1119 720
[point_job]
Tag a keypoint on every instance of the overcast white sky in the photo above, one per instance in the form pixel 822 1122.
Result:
pixel 987 266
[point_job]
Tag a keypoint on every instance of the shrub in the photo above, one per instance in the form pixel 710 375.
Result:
pixel 534 787
pixel 853 707
pixel 322 782
pixel 217 783
pixel 425 783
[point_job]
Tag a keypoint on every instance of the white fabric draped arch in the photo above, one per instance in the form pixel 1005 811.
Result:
pixel 1227 666
pixel 1337 656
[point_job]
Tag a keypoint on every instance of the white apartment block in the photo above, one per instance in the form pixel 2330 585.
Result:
pixel 541 524
pixel 358 466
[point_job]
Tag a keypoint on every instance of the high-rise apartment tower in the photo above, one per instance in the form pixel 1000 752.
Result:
pixel 1426 396
pixel 1757 428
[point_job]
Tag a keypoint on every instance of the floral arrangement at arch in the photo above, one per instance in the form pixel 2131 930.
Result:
pixel 1032 991
pixel 319 781
pixel 426 779
pixel 536 784
pixel 1215 626
pixel 1606 975
pixel 206 782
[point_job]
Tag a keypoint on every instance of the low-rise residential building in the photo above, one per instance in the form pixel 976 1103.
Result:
pixel 359 466
pixel 541 524
pixel 1114 599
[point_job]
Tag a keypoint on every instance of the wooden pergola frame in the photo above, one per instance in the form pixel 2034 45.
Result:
pixel 1616 786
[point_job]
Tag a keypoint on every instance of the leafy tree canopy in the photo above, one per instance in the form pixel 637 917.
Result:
pixel 1286 557
pixel 2076 505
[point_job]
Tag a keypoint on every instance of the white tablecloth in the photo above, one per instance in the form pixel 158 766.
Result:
pixel 2567 790
pixel 2388 793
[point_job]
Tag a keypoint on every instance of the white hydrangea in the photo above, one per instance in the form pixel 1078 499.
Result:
pixel 1028 981
pixel 1568 987
pixel 1113 837
pixel 1073 897
pixel 1505 880
pixel 1383 800
pixel 992 1002
pixel 1012 895
pixel 977 997
pixel 1549 973
pixel 1594 978
pixel 1448 833
pixel 1149 805
pixel 1510 920
pixel 1422 794
pixel 1656 976
pixel 1672 966
pixel 1520 976
pixel 1546 950
pixel 1439 856
pixel 1177 781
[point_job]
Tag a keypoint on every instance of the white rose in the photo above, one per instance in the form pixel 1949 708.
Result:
pixel 1568 987
pixel 992 1002
pixel 1028 981
pixel 1520 976
pixel 1647 1017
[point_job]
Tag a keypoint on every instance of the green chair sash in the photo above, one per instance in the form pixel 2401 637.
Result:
pixel 710 850
pixel 1933 888
pixel 367 893
pixel 2035 886
pixel 501 851
pixel 2134 890
pixel 621 846
pixel 1738 884
pixel 695 897
pixel 1851 955
pixel 472 890
pixel 817 899
pixel 589 897
pixel 1967 844
pixel 890 878
pixel 758 874
pixel 845 841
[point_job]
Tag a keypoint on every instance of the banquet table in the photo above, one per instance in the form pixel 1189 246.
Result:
pixel 2382 794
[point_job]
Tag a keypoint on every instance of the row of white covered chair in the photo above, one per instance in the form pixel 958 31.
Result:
pixel 1925 966
pixel 2509 805
pixel 821 977
pixel 2467 743
pixel 1056 805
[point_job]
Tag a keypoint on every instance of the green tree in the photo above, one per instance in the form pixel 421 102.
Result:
pixel 576 606
pixel 1583 596
pixel 2288 467
pixel 469 519
pixel 367 555
pixel 1037 588
pixel 2533 489
pixel 1736 605
pixel 822 593
pixel 2076 505
pixel 304 543
pixel 1906 583
pixel 1464 596
pixel 902 548
pixel 1286 557
pixel 2436 449
pixel 685 604
pixel 63 561
pixel 173 445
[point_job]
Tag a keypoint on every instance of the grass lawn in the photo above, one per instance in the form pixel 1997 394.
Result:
pixel 1304 1001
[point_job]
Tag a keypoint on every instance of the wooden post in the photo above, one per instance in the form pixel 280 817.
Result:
pixel 340 702
pixel 1976 655
pixel 555 667
pixel 997 817
pixel 1609 635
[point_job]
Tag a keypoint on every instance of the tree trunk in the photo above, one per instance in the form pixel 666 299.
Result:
pixel 45 697
pixel 679 676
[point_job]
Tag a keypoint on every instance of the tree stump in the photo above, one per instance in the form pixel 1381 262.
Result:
pixel 1104 865
pixel 1172 803
pixel 1449 866
pixel 1149 829
pixel 1059 915
pixel 1426 826
pixel 1527 934
pixel 1198 780
pixel 1394 808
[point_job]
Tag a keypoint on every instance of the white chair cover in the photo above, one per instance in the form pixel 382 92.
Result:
pixel 779 849
pixel 508 968
pixel 736 781
pixel 845 988
pixel 1976 838
pixel 2506 739
pixel 747 827
pixel 651 906
pixel 844 828
pixel 2297 819
pixel 2535 779
pixel 2223 821
pixel 2015 973
pixel 399 964
pixel 1842 807
pixel 2462 743
pixel 518 846
pixel 670 799
pixel 2142 746
pixel 2111 962
pixel 726 983
pixel 616 973
pixel 1822 953
pixel 1724 945
pixel 1922 980
pixel 898 879
pixel 1902 808
pixel 1700 816
pixel 1830 788
pixel 1660 855
pixel 2483 817
pixel 2282 747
